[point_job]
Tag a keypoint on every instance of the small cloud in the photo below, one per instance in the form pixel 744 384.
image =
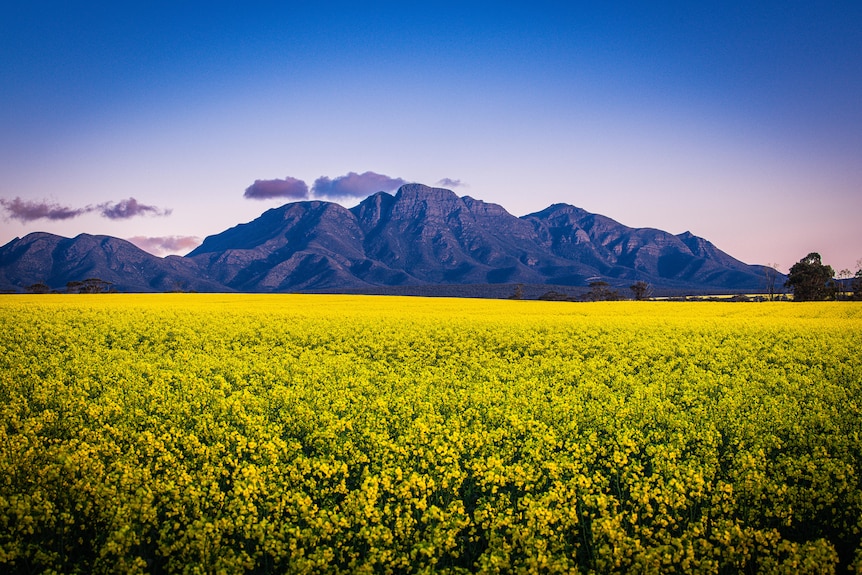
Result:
pixel 450 183
pixel 286 188
pixel 355 185
pixel 27 211
pixel 125 209
pixel 165 245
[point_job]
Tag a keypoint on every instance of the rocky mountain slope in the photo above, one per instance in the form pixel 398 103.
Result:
pixel 418 237
pixel 55 261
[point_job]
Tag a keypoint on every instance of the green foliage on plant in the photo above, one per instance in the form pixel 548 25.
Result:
pixel 810 279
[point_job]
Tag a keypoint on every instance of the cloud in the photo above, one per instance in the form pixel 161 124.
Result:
pixel 450 183
pixel 27 211
pixel 286 188
pixel 355 185
pixel 125 209
pixel 164 245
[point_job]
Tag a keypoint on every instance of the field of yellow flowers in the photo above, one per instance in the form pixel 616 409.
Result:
pixel 190 433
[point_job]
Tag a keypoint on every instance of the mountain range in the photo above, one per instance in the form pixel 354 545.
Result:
pixel 408 242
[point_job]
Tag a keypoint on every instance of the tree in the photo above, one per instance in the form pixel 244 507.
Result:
pixel 843 283
pixel 641 290
pixel 810 279
pixel 95 285
pixel 601 291
pixel 38 288
pixel 771 273
pixel 89 285
pixel 518 292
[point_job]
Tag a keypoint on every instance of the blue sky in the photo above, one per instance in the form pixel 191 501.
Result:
pixel 170 121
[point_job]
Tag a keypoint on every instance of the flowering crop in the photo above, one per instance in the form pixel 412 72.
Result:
pixel 190 433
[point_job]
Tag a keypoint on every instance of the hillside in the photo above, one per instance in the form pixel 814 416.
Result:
pixel 420 236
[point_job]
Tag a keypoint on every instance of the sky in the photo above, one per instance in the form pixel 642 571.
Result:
pixel 166 122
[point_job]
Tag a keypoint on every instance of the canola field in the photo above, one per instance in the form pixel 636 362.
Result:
pixel 189 433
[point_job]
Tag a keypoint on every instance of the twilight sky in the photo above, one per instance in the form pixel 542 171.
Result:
pixel 164 122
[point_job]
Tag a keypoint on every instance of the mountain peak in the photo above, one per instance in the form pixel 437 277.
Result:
pixel 421 192
pixel 559 209
pixel 418 200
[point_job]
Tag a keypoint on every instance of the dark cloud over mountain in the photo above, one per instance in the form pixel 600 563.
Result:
pixel 353 185
pixel 28 211
pixel 288 187
pixel 450 183
pixel 130 208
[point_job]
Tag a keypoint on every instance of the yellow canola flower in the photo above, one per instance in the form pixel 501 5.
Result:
pixel 299 433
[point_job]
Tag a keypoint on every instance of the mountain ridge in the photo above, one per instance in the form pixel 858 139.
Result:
pixel 419 236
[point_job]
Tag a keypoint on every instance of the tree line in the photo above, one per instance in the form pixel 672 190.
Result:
pixel 809 280
pixel 89 285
